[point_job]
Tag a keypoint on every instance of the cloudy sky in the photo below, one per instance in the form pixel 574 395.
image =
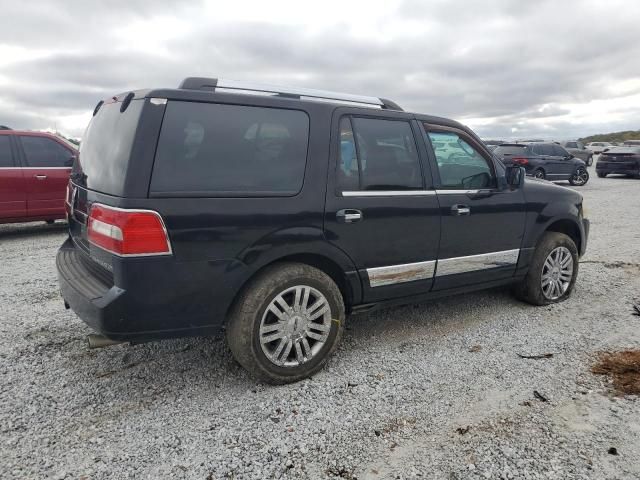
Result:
pixel 509 69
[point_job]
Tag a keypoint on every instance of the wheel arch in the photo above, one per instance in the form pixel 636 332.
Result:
pixel 348 282
pixel 568 227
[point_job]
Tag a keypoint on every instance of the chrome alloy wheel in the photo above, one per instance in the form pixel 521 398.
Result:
pixel 295 326
pixel 557 273
pixel 581 177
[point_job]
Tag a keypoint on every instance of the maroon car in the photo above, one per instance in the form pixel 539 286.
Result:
pixel 34 173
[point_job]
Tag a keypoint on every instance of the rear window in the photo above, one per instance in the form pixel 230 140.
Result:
pixel 106 147
pixel 208 149
pixel 510 150
pixel 623 150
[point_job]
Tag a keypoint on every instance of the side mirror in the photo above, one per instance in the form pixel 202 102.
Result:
pixel 515 176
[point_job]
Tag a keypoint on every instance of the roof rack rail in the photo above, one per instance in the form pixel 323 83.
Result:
pixel 212 84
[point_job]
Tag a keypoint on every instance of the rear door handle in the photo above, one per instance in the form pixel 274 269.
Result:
pixel 348 215
pixel 41 177
pixel 460 210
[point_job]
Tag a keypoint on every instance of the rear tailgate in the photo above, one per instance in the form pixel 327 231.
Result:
pixel 100 172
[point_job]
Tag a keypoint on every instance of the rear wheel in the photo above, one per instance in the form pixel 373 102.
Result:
pixel 286 323
pixel 553 271
pixel 580 177
pixel 539 173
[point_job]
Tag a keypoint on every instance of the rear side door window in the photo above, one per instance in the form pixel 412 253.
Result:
pixel 460 165
pixel 378 154
pixel 6 156
pixel 208 149
pixel 42 152
pixel 558 151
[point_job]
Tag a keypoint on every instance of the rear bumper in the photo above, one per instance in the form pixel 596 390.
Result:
pixel 97 303
pixel 155 298
pixel 626 168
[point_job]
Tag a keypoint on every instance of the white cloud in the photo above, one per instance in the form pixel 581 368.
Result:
pixel 506 67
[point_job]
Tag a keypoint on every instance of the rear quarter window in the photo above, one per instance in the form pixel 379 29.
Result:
pixel 208 149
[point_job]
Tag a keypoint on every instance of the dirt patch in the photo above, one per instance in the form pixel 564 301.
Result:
pixel 624 369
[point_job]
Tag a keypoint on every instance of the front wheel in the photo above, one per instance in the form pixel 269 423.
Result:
pixel 580 177
pixel 539 174
pixel 286 323
pixel 553 271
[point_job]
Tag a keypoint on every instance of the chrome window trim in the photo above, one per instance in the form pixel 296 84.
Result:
pixel 407 272
pixel 388 193
pixel 473 263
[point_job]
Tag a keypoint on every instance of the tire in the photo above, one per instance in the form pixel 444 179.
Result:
pixel 589 161
pixel 580 177
pixel 49 222
pixel 531 289
pixel 601 174
pixel 539 173
pixel 278 361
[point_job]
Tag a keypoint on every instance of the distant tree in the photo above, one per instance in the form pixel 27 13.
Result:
pixel 613 137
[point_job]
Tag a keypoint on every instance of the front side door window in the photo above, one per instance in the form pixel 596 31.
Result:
pixel 460 165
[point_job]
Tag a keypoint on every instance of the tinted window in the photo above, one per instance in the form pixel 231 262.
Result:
pixel 386 154
pixel 348 171
pixel 460 165
pixel 544 150
pixel 218 149
pixel 558 151
pixel 44 152
pixel 510 150
pixel 106 147
pixel 572 145
pixel 6 159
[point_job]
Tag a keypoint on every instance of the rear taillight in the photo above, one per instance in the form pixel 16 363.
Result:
pixel 127 232
pixel 520 161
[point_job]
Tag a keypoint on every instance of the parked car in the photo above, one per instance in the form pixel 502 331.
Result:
pixel 631 143
pixel 625 160
pixel 598 147
pixel 544 160
pixel 578 150
pixel 272 217
pixel 34 174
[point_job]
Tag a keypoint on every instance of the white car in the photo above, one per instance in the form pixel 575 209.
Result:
pixel 598 147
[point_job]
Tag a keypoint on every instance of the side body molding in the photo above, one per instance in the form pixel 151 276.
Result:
pixel 393 274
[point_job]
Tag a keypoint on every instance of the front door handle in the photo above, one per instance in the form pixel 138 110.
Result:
pixel 40 177
pixel 460 210
pixel 348 215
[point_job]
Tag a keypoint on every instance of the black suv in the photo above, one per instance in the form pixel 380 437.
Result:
pixel 625 160
pixel 544 160
pixel 274 213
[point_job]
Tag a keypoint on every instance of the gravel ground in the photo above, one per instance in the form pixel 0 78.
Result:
pixel 433 391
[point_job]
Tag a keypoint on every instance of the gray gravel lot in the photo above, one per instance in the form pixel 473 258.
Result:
pixel 423 391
